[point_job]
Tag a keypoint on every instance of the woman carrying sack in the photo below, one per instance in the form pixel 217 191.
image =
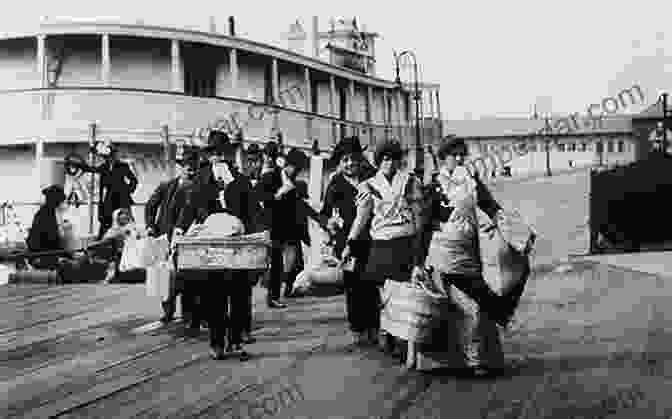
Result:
pixel 389 205
pixel 455 258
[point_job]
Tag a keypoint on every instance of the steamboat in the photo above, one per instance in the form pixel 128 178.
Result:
pixel 70 84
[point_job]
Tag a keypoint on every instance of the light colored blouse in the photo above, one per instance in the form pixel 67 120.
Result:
pixel 394 206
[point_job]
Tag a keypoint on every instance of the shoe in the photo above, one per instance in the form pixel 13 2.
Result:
pixel 169 312
pixel 218 354
pixel 372 336
pixel 193 331
pixel 275 304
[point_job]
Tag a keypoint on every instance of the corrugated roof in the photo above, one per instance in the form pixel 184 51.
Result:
pixel 516 127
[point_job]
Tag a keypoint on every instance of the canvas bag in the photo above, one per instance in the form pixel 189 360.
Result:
pixel 159 277
pixel 137 254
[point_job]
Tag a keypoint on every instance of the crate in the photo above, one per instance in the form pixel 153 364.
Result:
pixel 246 252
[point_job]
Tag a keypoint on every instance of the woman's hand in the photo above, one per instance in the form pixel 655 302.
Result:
pixel 346 254
pixel 418 274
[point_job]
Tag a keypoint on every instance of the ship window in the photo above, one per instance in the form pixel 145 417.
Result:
pixel 314 98
pixel 621 146
pixel 268 84
pixel 200 71
pixel 561 147
pixel 610 147
pixel 584 146
pixel 389 110
pixel 572 147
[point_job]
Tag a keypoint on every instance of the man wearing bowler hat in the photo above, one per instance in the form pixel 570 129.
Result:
pixel 223 189
pixel 284 208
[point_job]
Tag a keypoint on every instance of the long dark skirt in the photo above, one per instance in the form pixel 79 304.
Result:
pixel 390 259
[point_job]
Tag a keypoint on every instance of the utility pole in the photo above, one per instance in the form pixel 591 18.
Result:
pixel 92 180
pixel 419 157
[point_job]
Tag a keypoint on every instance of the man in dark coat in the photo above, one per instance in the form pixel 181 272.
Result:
pixel 117 184
pixel 223 188
pixel 285 212
pixel 339 211
pixel 165 214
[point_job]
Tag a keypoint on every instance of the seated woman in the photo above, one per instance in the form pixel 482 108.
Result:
pixel 47 235
pixel 123 227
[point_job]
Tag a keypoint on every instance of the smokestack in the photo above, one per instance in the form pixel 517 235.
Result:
pixel 232 26
pixel 316 37
pixel 213 25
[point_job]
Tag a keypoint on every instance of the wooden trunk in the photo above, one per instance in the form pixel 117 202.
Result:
pixel 248 252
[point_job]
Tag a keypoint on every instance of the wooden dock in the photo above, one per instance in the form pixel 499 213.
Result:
pixel 581 337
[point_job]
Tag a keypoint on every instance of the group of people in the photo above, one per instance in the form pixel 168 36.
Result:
pixel 390 226
pixel 265 195
pixel 395 228
pixel 51 235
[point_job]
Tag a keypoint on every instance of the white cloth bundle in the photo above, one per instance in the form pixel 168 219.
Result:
pixel 218 225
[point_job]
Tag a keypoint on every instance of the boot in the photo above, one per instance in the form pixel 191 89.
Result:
pixel 168 311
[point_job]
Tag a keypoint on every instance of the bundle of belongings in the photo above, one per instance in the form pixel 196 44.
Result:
pixel 324 275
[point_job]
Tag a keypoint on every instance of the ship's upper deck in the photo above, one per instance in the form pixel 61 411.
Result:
pixel 112 28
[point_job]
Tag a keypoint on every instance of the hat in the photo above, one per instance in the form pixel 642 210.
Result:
pixel 190 157
pixel 347 145
pixel 253 150
pixel 297 158
pixel 272 149
pixel 449 145
pixel 219 143
pixel 391 148
pixel 54 195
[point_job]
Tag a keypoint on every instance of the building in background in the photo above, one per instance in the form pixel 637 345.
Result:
pixel 148 88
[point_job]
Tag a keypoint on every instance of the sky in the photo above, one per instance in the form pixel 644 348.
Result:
pixel 492 59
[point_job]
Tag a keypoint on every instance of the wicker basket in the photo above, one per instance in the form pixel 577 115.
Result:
pixel 410 312
pixel 247 252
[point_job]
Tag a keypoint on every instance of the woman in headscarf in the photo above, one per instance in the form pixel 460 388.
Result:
pixel 454 256
pixel 390 206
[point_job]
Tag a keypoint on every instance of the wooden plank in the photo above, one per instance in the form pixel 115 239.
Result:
pixel 13 293
pixel 60 308
pixel 81 392
pixel 25 391
pixel 31 357
pixel 115 309
pixel 195 385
